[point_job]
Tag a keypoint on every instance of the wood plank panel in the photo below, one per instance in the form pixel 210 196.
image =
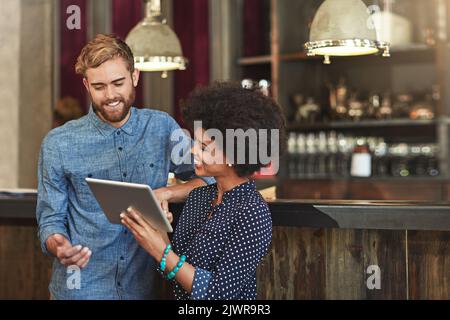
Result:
pixel 447 192
pixel 295 265
pixel 302 264
pixel 24 270
pixel 332 264
pixel 429 265
pixel 351 252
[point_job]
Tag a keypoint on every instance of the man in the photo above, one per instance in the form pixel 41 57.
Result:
pixel 115 141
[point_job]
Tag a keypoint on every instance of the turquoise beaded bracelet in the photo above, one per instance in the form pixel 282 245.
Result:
pixel 162 264
pixel 172 274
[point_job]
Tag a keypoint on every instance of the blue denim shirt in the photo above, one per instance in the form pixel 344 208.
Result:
pixel 139 152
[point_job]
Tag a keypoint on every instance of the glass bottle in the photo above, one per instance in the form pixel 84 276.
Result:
pixel 361 160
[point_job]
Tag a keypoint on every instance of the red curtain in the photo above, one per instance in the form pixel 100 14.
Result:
pixel 191 24
pixel 253 23
pixel 125 15
pixel 72 41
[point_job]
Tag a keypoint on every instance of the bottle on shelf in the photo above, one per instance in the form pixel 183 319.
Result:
pixel 332 158
pixel 338 100
pixel 361 160
pixel 262 85
pixel 345 145
pixel 302 156
pixel 310 159
pixel 308 112
pixel 335 155
pixel 385 111
pixel 380 163
pixel 322 155
pixel 373 106
pixel 293 153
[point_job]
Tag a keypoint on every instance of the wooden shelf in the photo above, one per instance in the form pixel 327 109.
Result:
pixel 297 56
pixel 413 47
pixel 365 124
pixel 371 179
pixel 257 60
pixel 267 59
pixel 302 56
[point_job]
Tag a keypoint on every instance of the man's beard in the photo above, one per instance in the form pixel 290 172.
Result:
pixel 118 113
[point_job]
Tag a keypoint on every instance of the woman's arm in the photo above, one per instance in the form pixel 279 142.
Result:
pixel 155 242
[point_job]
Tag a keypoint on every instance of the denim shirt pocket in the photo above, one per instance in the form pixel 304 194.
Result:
pixel 152 172
pixel 82 190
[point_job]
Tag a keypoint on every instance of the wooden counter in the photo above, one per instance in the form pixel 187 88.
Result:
pixel 320 250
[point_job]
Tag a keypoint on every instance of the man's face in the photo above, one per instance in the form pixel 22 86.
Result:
pixel 111 88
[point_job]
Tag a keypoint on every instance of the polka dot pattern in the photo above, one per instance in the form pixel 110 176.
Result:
pixel 226 248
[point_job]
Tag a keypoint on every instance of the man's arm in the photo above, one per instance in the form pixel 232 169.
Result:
pixel 51 211
pixel 180 192
pixel 182 165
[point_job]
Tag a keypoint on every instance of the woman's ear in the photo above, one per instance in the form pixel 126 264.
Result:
pixel 135 77
pixel 228 162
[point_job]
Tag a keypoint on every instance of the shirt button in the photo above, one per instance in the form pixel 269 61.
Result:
pixel 122 258
pixel 120 148
pixel 89 175
pixel 118 133
pixel 126 232
pixel 118 283
pixel 125 174
pixel 151 165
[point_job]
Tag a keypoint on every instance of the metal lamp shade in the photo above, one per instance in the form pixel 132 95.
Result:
pixel 155 45
pixel 344 28
pixel 156 48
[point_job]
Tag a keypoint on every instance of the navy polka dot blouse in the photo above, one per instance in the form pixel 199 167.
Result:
pixel 226 248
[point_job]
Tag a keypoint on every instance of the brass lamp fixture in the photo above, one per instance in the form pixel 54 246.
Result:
pixel 155 45
pixel 344 28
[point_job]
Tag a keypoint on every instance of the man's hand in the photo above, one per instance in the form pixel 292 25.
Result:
pixel 176 193
pixel 67 254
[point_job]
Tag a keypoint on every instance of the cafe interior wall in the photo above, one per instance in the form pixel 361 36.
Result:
pixel 26 87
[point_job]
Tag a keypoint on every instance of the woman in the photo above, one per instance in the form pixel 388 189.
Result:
pixel 225 229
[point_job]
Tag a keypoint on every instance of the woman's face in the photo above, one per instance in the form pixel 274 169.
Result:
pixel 209 158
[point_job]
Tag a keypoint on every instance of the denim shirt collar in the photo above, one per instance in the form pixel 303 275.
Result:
pixel 129 127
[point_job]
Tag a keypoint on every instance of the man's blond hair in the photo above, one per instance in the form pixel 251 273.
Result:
pixel 101 49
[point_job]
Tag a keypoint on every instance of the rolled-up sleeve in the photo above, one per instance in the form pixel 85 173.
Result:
pixel 51 209
pixel 182 160
pixel 247 245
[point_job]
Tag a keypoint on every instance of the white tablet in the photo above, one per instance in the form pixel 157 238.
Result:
pixel 116 197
